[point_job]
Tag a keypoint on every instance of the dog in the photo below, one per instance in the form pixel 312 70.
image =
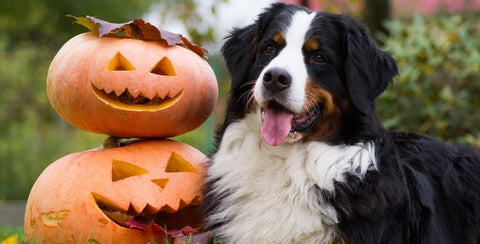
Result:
pixel 302 156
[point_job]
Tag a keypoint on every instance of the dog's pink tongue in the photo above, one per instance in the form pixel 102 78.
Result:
pixel 276 126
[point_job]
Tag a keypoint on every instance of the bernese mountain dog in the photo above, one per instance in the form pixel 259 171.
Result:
pixel 303 158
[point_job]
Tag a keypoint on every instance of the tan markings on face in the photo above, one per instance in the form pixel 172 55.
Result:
pixel 331 115
pixel 279 38
pixel 255 45
pixel 311 45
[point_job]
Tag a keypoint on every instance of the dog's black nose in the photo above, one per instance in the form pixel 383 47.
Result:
pixel 277 79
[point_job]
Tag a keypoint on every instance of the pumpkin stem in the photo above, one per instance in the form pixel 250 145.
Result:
pixel 111 142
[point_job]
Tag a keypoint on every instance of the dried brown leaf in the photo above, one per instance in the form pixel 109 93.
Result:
pixel 137 29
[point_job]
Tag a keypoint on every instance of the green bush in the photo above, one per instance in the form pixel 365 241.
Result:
pixel 32 135
pixel 438 89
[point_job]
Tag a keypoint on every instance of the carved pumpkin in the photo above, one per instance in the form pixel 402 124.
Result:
pixel 120 195
pixel 130 88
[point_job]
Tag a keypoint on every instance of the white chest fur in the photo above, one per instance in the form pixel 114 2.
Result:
pixel 273 191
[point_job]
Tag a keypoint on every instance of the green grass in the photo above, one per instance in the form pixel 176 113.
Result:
pixel 6 232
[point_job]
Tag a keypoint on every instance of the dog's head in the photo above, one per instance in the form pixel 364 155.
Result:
pixel 305 71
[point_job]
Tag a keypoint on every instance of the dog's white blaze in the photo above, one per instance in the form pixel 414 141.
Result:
pixel 274 190
pixel 291 59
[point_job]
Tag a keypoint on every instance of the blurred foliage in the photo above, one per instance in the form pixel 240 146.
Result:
pixel 32 135
pixel 43 22
pixel 437 90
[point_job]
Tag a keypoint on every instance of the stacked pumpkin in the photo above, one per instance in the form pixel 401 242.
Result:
pixel 128 80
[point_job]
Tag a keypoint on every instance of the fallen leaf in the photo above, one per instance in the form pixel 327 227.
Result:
pixel 10 240
pixel 134 224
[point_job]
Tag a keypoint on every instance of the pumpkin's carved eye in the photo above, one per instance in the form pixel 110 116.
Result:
pixel 178 164
pixel 119 63
pixel 122 170
pixel 163 67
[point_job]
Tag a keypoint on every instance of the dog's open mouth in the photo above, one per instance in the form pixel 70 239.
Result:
pixel 278 123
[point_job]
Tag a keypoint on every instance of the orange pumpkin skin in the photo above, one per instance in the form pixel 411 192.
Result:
pixel 71 200
pixel 173 90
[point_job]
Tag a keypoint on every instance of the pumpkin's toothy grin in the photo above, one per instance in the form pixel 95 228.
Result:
pixel 164 219
pixel 127 101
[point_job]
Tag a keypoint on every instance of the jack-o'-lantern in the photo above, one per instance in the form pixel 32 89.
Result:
pixel 129 194
pixel 128 87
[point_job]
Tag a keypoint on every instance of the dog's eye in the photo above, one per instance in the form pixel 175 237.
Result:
pixel 270 49
pixel 318 58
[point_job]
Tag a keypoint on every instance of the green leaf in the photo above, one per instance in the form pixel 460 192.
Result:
pixel 87 22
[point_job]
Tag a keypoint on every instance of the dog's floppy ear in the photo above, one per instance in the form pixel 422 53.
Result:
pixel 239 53
pixel 241 46
pixel 369 70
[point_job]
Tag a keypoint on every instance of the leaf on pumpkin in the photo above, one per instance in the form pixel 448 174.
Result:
pixel 186 234
pixel 157 228
pixel 135 224
pixel 137 29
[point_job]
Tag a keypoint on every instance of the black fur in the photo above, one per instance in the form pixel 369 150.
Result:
pixel 424 191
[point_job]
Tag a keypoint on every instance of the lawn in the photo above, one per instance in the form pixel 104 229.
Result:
pixel 11 235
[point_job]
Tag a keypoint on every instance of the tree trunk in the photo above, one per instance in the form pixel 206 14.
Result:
pixel 376 12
